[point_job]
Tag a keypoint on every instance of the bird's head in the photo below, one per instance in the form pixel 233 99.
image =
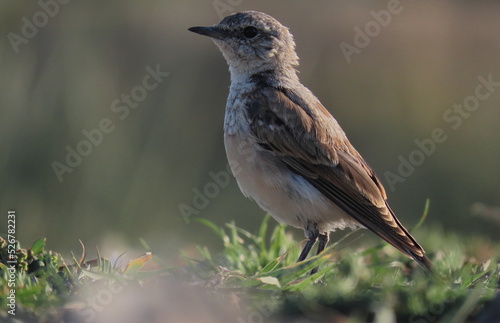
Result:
pixel 252 42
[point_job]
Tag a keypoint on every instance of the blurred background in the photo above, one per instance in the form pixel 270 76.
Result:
pixel 64 66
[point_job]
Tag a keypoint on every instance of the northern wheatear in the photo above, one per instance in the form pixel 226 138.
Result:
pixel 303 170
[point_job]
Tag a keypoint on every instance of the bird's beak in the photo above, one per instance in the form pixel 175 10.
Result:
pixel 212 32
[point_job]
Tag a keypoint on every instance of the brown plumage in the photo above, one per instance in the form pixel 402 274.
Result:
pixel 329 163
pixel 303 169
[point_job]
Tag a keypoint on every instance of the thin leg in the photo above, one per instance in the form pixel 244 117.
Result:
pixel 307 248
pixel 312 233
pixel 323 241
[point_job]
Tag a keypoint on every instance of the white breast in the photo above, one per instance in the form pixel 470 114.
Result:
pixel 286 196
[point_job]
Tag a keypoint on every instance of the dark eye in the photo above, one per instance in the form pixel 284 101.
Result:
pixel 250 32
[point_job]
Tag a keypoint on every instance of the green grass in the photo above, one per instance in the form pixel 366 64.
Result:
pixel 359 285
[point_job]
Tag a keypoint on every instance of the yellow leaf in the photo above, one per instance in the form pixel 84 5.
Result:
pixel 137 264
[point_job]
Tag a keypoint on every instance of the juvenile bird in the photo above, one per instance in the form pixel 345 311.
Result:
pixel 285 149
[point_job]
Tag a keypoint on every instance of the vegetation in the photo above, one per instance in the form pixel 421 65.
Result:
pixel 372 285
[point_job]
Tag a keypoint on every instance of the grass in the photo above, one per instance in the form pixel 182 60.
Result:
pixel 368 285
pixel 364 284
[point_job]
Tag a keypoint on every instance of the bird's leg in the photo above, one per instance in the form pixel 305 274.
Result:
pixel 323 241
pixel 312 233
pixel 307 248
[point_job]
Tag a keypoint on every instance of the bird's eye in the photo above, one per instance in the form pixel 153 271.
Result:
pixel 250 32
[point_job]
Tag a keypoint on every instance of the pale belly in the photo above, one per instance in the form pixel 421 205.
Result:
pixel 286 196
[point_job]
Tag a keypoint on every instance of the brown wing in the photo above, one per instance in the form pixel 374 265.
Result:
pixel 310 142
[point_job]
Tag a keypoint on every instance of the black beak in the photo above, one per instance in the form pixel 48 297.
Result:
pixel 212 32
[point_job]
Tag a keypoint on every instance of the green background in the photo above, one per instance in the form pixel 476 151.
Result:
pixel 396 90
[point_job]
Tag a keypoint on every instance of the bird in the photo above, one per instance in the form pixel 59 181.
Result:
pixel 285 149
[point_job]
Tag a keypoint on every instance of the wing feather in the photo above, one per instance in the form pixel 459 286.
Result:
pixel 310 142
